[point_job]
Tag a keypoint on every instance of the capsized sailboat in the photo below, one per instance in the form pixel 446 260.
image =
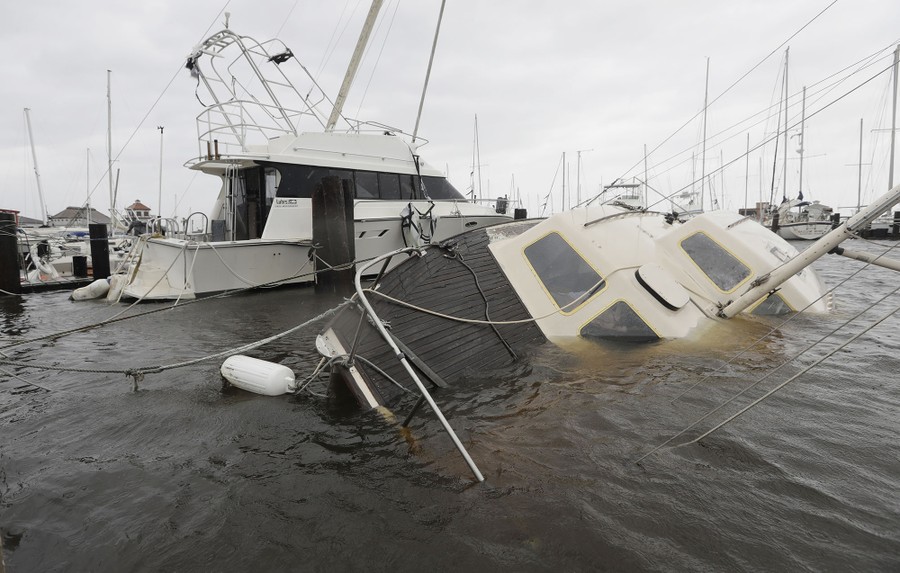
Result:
pixel 482 299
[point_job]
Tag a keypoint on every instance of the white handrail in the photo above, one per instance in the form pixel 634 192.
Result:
pixel 402 358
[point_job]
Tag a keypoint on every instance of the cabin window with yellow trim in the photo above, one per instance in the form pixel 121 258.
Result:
pixel 566 276
pixel 720 266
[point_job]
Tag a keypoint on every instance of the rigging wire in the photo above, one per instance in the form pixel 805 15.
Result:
pixel 765 141
pixel 734 84
pixel 744 124
pixel 789 360
pixel 802 372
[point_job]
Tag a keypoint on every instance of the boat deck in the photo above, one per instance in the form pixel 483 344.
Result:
pixel 460 278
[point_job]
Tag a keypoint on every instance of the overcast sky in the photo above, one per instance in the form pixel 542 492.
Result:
pixel 543 77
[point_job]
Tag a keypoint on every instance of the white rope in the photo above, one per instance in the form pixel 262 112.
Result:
pixel 411 306
pixel 140 371
pixel 143 296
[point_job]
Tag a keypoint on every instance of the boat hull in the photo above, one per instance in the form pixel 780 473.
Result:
pixel 172 268
pixel 810 231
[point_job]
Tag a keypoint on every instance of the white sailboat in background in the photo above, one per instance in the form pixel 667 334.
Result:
pixel 798 219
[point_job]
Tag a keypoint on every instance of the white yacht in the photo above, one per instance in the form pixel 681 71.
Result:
pixel 269 158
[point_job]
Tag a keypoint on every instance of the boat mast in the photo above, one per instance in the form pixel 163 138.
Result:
pixel 644 198
pixel 563 204
pixel 159 205
pixel 893 119
pixel 784 167
pixel 87 184
pixel 800 150
pixel 747 175
pixel 437 31
pixel 354 64
pixel 37 174
pixel 112 191
pixel 859 187
pixel 703 157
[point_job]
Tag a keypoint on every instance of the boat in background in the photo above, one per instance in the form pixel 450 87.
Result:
pixel 261 227
pixel 799 220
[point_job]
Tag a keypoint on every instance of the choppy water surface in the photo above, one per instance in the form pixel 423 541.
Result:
pixel 185 475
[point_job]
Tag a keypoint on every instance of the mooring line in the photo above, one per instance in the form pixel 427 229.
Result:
pixel 118 317
pixel 782 324
pixel 138 373
pixel 794 377
pixel 767 375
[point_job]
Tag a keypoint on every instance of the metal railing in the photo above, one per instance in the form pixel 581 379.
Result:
pixel 401 356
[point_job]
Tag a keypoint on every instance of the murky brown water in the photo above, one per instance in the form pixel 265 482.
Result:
pixel 186 476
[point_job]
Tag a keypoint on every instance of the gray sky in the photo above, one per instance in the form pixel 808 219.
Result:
pixel 543 78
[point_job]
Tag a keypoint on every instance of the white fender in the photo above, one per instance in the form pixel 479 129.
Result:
pixel 258 376
pixel 96 289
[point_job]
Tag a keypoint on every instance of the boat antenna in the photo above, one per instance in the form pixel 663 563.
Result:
pixel 437 31
pixel 354 64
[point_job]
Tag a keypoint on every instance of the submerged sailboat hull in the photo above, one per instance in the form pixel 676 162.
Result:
pixel 596 273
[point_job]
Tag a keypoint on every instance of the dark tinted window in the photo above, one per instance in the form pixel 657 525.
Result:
pixel 389 185
pixel 366 185
pixel 440 188
pixel 408 187
pixel 300 180
pixel 565 275
pixel 722 268
pixel 619 322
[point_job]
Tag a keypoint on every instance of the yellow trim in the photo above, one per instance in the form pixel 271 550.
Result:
pixel 544 287
pixel 737 258
pixel 629 305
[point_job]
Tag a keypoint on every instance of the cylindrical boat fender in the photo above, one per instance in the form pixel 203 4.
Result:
pixel 116 284
pixel 96 289
pixel 258 376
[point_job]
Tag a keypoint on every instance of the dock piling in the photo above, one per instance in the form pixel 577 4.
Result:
pixel 332 206
pixel 9 256
pixel 99 250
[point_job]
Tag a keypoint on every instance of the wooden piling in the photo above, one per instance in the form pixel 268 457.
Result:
pixel 333 235
pixel 99 250
pixel 9 256
pixel 775 225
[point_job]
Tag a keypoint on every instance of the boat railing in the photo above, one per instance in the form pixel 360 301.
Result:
pixel 164 226
pixel 231 126
pixel 369 311
pixel 196 232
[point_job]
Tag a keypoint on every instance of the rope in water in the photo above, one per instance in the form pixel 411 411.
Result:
pixel 138 373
